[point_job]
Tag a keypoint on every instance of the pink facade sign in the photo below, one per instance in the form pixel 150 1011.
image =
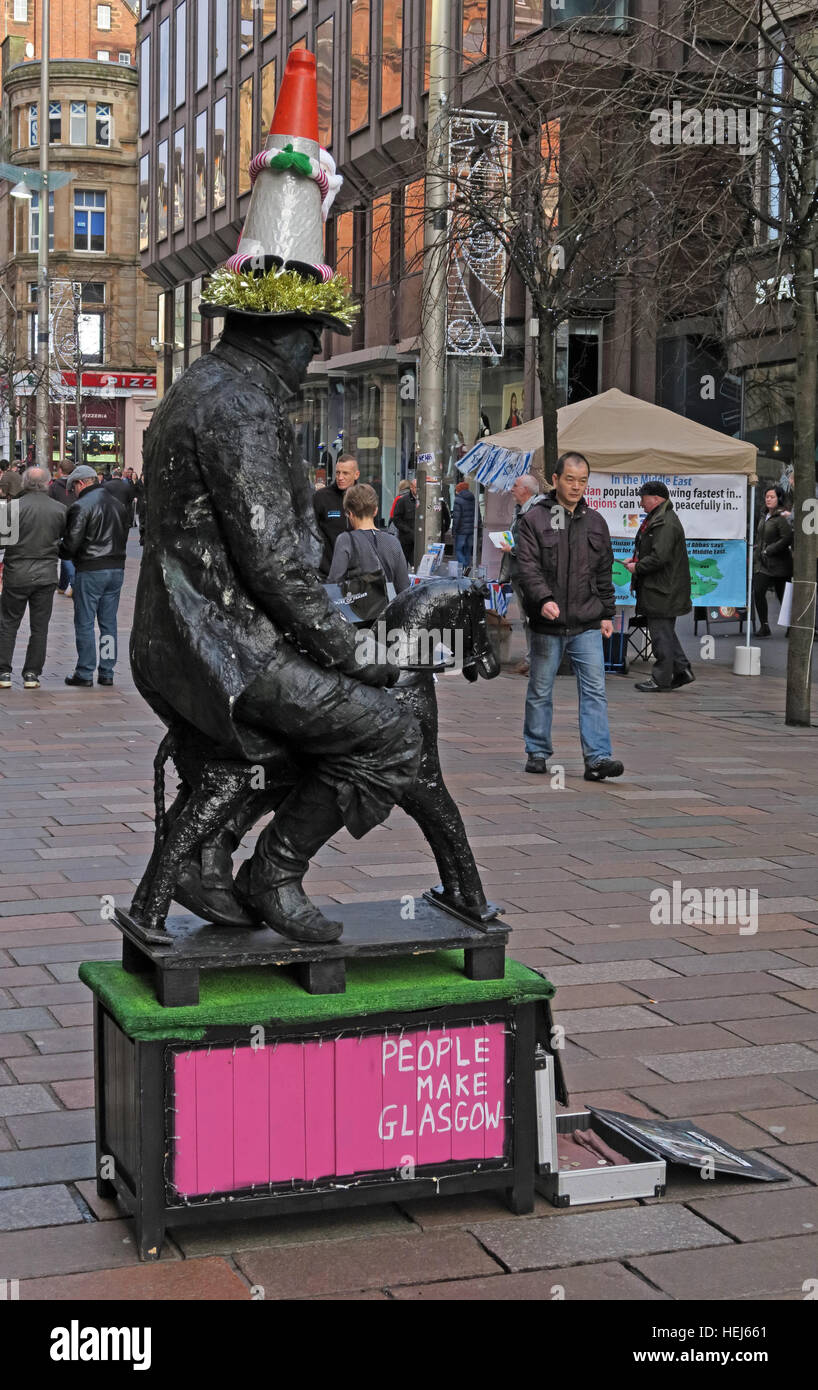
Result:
pixel 332 1108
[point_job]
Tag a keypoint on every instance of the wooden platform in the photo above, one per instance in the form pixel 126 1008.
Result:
pixel 370 929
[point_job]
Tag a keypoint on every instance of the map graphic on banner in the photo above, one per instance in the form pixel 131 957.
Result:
pixel 718 572
pixel 710 506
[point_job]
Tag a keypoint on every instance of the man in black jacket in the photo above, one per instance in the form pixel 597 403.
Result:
pixel 30 575
pixel 96 533
pixel 328 504
pixel 564 568
pixel 661 578
pixel 403 519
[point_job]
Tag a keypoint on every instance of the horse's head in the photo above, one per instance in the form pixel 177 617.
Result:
pixel 479 657
pixel 451 612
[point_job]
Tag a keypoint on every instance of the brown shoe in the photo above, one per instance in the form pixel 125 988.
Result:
pixel 522 668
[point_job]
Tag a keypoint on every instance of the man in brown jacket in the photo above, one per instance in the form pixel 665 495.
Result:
pixel 564 565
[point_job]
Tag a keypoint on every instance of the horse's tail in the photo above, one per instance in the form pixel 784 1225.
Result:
pixel 163 752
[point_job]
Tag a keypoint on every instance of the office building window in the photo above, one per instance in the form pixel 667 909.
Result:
pixel 200 167
pixel 528 16
pixel 345 244
pixel 31 288
pixel 268 17
pixel 359 58
pixel 103 55
pixel 550 153
pixel 324 42
pixel 180 55
pixel 21 11
pixel 91 322
pixel 413 230
pixel 219 153
pixel 145 85
pixel 164 68
pixel 33 134
pixel 245 134
pixel 103 16
pixel 202 16
pixel 381 257
pixel 179 180
pixel 144 200
pixel 125 59
pixel 34 223
pixel 79 123
pixel 296 6
pixel 161 190
pixel 54 122
pixel 220 38
pixel 475 30
pixel 300 43
pixel 247 12
pixel 268 99
pixel 391 55
pixel 195 335
pixel 103 123
pixel 89 220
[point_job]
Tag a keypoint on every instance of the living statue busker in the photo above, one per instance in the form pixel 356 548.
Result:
pixel 233 632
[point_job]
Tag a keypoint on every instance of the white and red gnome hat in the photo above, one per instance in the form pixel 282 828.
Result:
pixel 294 184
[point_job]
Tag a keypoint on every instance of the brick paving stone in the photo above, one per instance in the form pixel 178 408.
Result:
pixel 689 1184
pixel 805 976
pixel 721 1010
pixel 535 1243
pixel 13 975
pixel 801 1158
pixel 25 1100
pixel 587 952
pixel 378 1262
pixel 790 1029
pixel 608 1282
pixel 60 1127
pixel 74 1095
pixel 15 1045
pixel 708 987
pixel 17 1020
pixel 188 1280
pixel 609 1100
pixel 595 996
pixel 615 1072
pixel 56 1067
pixel 601 972
pixel 284 1231
pixel 63 1040
pixel 577 1021
pixel 792 1124
pixel 758 1270
pixel 103 1208
pixel 732 1061
pixel 788 1213
pixel 26 1207
pixel 680 1099
pixel 50 994
pixel 64 1163
pixel 97 1245
pixel 432 1213
pixel 70 1014
pixel 87 949
pixel 730 962
pixel 641 1041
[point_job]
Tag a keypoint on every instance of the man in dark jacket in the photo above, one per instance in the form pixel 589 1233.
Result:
pixel 58 489
pixel 463 521
pixel 404 515
pixel 11 484
pixel 564 568
pixel 661 578
pixel 124 491
pixel 96 533
pixel 30 575
pixel 233 632
pixel 772 555
pixel 328 505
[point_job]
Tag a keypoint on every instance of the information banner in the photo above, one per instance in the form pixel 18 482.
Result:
pixel 709 506
pixel 718 572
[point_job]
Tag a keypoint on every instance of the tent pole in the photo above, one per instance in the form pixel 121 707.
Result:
pixel 750 542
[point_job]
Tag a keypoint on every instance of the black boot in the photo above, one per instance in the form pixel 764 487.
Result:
pixel 269 883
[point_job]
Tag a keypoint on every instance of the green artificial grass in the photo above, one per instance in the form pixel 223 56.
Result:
pixel 263 994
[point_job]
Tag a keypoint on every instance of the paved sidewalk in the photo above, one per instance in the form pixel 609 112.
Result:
pixel 694 1021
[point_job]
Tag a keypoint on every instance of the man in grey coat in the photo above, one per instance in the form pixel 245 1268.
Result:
pixel 30 574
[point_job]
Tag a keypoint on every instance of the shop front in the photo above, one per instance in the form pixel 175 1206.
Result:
pixel 113 418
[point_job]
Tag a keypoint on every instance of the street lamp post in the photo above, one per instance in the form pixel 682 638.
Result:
pixel 43 434
pixel 433 301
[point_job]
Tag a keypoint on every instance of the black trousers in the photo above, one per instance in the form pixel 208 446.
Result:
pixel 668 652
pixel 761 583
pixel 13 601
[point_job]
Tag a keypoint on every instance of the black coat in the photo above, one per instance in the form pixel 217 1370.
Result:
pixel 328 505
pixel 32 558
pixel 569 564
pixel 772 554
pixel 662 574
pixel 228 584
pixel 96 531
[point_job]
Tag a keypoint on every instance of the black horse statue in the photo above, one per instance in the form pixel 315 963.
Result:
pixel 219 800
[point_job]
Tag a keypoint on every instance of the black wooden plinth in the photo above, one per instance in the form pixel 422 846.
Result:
pixel 370 930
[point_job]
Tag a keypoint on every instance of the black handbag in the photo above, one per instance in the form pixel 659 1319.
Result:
pixel 364 588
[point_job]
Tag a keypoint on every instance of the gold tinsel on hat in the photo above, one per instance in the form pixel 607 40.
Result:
pixel 281 292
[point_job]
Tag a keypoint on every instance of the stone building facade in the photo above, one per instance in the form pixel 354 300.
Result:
pixel 79 29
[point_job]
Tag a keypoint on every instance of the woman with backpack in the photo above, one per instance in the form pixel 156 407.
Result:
pixel 364 550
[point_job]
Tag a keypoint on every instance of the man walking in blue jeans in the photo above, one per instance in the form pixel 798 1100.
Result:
pixel 96 533
pixel 564 564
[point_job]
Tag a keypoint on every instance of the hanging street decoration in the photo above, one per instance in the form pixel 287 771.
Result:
pixel 476 276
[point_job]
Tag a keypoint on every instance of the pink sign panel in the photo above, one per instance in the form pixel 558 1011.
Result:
pixel 292 1112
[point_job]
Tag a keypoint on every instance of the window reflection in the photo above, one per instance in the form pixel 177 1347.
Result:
pixel 219 148
pixel 268 100
pixel 161 190
pixel 359 57
pixel 391 55
pixel 381 259
pixel 324 39
pixel 200 167
pixel 179 180
pixel 413 229
pixel 245 134
pixel 475 30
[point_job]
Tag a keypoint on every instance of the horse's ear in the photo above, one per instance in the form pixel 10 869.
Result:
pixel 481 587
